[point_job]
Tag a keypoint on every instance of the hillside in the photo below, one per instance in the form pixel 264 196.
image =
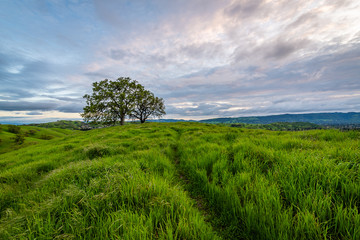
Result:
pixel 64 124
pixel 183 181
pixel 316 118
pixel 31 135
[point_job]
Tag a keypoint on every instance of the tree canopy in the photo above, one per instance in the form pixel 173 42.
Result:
pixel 146 105
pixel 112 101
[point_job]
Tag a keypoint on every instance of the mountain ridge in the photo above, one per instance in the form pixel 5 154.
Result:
pixel 317 118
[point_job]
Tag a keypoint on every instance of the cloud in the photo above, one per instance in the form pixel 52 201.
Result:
pixel 119 54
pixel 34 113
pixel 45 105
pixel 71 108
pixel 199 109
pixel 26 106
pixel 307 85
pixel 222 58
pixel 308 18
pixel 244 8
pixel 282 49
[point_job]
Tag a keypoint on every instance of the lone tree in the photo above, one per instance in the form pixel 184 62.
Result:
pixel 113 101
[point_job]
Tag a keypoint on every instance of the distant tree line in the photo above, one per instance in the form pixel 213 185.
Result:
pixel 113 101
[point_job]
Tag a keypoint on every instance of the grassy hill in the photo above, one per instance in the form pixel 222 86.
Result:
pixel 65 124
pixel 32 135
pixel 183 181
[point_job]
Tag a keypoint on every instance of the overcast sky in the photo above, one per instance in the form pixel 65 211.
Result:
pixel 206 58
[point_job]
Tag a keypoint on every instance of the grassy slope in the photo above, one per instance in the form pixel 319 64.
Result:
pixel 7 143
pixel 103 184
pixel 140 182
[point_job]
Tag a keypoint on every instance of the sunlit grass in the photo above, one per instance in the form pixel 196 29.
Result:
pixel 183 181
pixel 265 185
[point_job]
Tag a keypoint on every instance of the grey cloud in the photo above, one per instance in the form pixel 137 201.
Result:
pixel 65 99
pixel 277 49
pixel 54 91
pixel 41 106
pixel 199 51
pixel 74 106
pixel 307 18
pixel 202 73
pixel 156 20
pixel 136 12
pixel 324 83
pixel 97 75
pixel 36 79
pixel 205 50
pixel 199 109
pixel 281 49
pixel 336 4
pixel 119 54
pixel 71 108
pixel 34 113
pixel 139 57
pixel 27 106
pixel 217 92
pixel 174 47
pixel 30 73
pixel 14 94
pixel 258 106
pixel 336 72
pixel 6 60
pixel 244 8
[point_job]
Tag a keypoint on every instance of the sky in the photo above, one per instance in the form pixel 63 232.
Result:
pixel 205 58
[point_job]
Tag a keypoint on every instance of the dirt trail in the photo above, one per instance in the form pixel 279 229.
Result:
pixel 200 202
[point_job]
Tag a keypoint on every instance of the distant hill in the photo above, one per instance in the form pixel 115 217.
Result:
pixel 278 126
pixel 170 120
pixel 316 118
pixel 342 120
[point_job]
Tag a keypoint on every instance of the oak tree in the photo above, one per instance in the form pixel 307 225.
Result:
pixel 146 105
pixel 112 101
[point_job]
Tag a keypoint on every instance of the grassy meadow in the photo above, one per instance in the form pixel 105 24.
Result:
pixel 180 181
pixel 32 135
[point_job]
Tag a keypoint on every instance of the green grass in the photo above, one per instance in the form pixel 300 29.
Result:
pixel 182 181
pixel 33 135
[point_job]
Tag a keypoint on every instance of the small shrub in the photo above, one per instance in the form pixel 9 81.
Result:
pixel 46 137
pixel 14 129
pixel 230 137
pixel 44 167
pixel 97 151
pixel 19 139
pixel 31 132
pixel 68 147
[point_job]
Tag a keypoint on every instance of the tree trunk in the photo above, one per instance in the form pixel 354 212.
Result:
pixel 142 120
pixel 122 120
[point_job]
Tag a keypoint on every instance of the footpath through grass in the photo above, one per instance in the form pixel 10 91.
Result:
pixel 113 183
pixel 276 185
pixel 183 181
